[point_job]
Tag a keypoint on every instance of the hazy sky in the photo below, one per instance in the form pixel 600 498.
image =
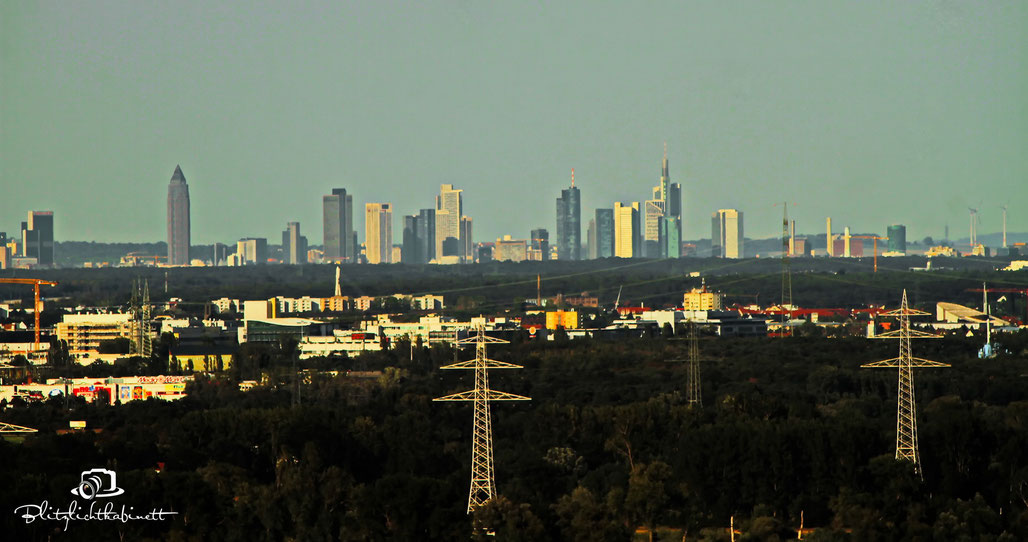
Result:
pixel 871 112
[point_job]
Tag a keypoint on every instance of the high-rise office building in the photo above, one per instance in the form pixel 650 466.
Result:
pixel 337 222
pixel 378 232
pixel 672 230
pixel 410 251
pixel 294 245
pixel 662 217
pixel 539 249
pixel 449 208
pixel 178 219
pixel 604 233
pixel 653 241
pixel 897 234
pixel 252 251
pixel 627 234
pixel 569 223
pixel 672 209
pixel 590 239
pixel 726 234
pixel 37 237
pixel 219 255
pixel 426 235
pixel 466 240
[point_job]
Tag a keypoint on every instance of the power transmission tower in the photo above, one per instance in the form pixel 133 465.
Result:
pixel 693 392
pixel 146 338
pixel 786 272
pixel 142 343
pixel 483 484
pixel 11 428
pixel 906 408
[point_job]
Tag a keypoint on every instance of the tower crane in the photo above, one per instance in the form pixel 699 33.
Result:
pixel 876 238
pixel 38 305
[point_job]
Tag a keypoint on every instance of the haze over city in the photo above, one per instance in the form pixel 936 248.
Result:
pixel 871 114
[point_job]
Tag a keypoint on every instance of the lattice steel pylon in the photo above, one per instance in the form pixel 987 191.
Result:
pixel 787 247
pixel 483 481
pixel 906 407
pixel 693 393
pixel 142 344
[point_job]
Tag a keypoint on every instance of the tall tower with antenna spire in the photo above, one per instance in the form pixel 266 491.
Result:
pixel 906 407
pixel 483 479
pixel 569 223
pixel 672 196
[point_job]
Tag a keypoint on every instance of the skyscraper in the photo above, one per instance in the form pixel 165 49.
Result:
pixel 426 235
pixel 627 235
pixel 672 207
pixel 569 223
pixel 590 239
pixel 294 245
pixel 378 232
pixel 410 251
pixel 178 219
pixel 897 234
pixel 540 244
pixel 653 241
pixel 726 234
pixel 449 205
pixel 662 217
pixel 466 243
pixel 37 237
pixel 337 222
pixel 252 251
pixel 604 233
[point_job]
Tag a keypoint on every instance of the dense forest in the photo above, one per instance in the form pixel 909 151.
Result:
pixel 789 428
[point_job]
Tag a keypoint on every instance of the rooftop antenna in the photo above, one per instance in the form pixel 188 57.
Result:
pixel 483 480
pixel 572 177
pixel 906 408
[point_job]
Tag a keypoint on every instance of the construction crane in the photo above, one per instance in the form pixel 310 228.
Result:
pixel 39 304
pixel 876 238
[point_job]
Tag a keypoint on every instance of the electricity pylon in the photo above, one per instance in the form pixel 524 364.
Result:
pixel 906 408
pixel 11 428
pixel 692 381
pixel 483 481
pixel 142 342
pixel 787 247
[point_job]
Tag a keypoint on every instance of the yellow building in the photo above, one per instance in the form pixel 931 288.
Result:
pixel 202 359
pixel 565 319
pixel 701 299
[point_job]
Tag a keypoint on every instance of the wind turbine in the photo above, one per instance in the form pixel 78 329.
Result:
pixel 1004 226
pixel 974 215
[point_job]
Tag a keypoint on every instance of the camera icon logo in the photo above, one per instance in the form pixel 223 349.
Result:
pixel 97 483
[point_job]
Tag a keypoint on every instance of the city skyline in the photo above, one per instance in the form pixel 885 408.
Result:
pixel 858 113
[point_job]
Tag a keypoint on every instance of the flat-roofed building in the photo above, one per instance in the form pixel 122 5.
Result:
pixel 85 331
pixel 510 250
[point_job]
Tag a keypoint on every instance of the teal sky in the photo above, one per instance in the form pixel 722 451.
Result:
pixel 871 112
